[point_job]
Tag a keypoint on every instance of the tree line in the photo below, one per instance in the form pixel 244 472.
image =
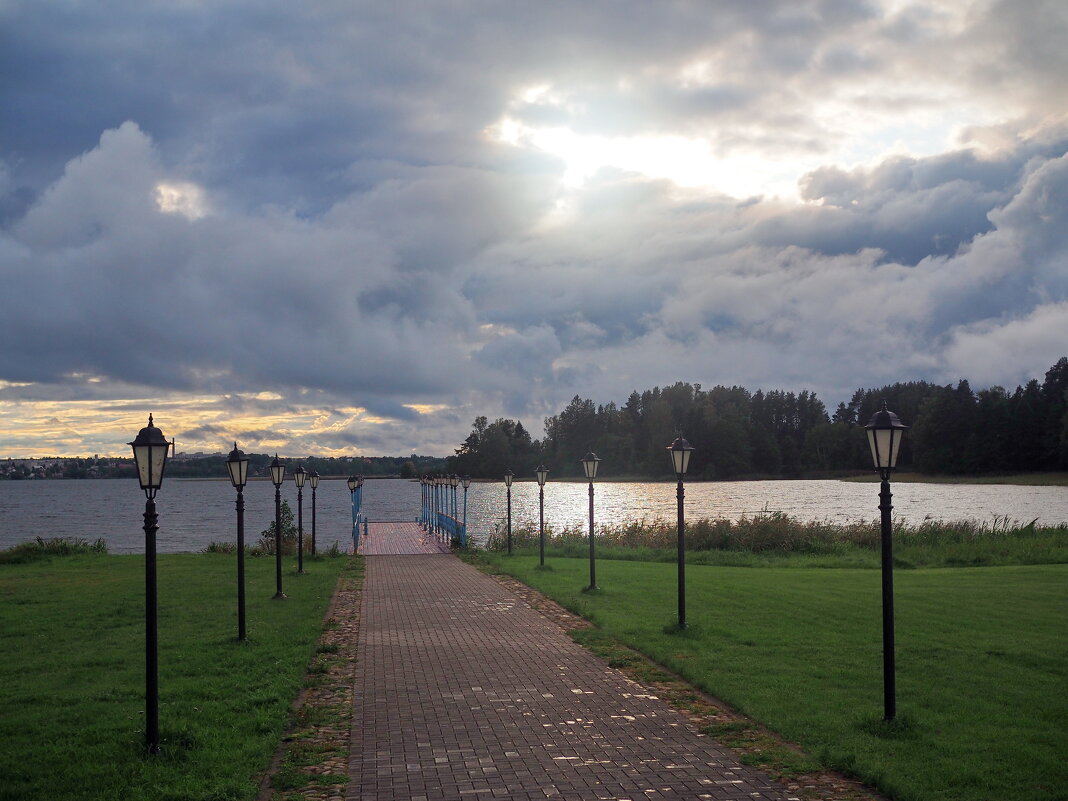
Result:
pixel 782 434
pixel 214 466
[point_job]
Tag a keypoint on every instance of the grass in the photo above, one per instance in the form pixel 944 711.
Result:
pixel 775 539
pixel 72 707
pixel 982 663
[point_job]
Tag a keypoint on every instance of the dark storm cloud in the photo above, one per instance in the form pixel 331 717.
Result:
pixel 342 232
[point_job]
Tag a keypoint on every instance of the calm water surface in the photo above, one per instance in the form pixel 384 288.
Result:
pixel 194 513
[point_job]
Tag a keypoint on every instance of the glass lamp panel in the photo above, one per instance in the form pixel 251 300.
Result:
pixel 313 479
pixel 508 478
pixel 542 473
pixel 884 446
pixel 143 457
pixel 896 435
pixel 467 482
pixel 298 477
pixel 157 458
pixel 151 460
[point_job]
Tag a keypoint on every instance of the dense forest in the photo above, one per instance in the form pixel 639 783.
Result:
pixel 741 434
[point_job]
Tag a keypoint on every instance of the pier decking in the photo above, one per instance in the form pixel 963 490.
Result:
pixel 399 539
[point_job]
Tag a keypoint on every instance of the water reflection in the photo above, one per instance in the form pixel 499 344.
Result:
pixel 566 503
pixel 194 513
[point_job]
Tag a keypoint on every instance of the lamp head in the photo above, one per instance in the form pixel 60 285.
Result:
pixel 680 456
pixel 885 432
pixel 542 473
pixel 278 472
pixel 589 465
pixel 237 467
pixel 150 449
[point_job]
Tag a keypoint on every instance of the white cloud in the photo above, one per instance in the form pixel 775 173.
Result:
pixel 349 211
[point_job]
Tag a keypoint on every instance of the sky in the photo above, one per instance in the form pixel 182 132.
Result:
pixel 346 228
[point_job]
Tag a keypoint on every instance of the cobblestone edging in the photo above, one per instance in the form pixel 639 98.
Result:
pixel 311 763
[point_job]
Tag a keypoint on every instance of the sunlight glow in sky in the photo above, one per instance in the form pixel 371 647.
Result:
pixel 860 136
pixel 355 235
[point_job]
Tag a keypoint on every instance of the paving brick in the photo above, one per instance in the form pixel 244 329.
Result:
pixel 465 692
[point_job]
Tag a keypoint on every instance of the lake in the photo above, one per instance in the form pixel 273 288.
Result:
pixel 196 512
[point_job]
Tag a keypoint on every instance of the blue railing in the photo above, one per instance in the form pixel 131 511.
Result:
pixel 452 528
pixel 357 518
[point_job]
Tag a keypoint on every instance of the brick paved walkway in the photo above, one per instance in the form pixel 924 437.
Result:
pixel 399 538
pixel 464 692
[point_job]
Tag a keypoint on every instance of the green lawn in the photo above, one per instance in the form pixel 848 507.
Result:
pixel 72 633
pixel 982 662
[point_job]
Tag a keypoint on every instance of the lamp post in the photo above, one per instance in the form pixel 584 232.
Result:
pixel 237 467
pixel 589 466
pixel 467 485
pixel 299 477
pixel 454 482
pixel 508 484
pixel 278 473
pixel 313 479
pixel 885 432
pixel 150 455
pixel 542 473
pixel 680 460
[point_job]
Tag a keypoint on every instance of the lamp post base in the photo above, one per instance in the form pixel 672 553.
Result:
pixel 279 596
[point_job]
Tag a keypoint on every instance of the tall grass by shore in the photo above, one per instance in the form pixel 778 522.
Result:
pixel 772 537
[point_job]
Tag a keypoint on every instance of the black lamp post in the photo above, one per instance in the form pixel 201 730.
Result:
pixel 278 474
pixel 150 454
pixel 885 432
pixel 467 485
pixel 299 477
pixel 237 467
pixel 313 479
pixel 680 460
pixel 542 473
pixel 589 466
pixel 454 482
pixel 508 484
